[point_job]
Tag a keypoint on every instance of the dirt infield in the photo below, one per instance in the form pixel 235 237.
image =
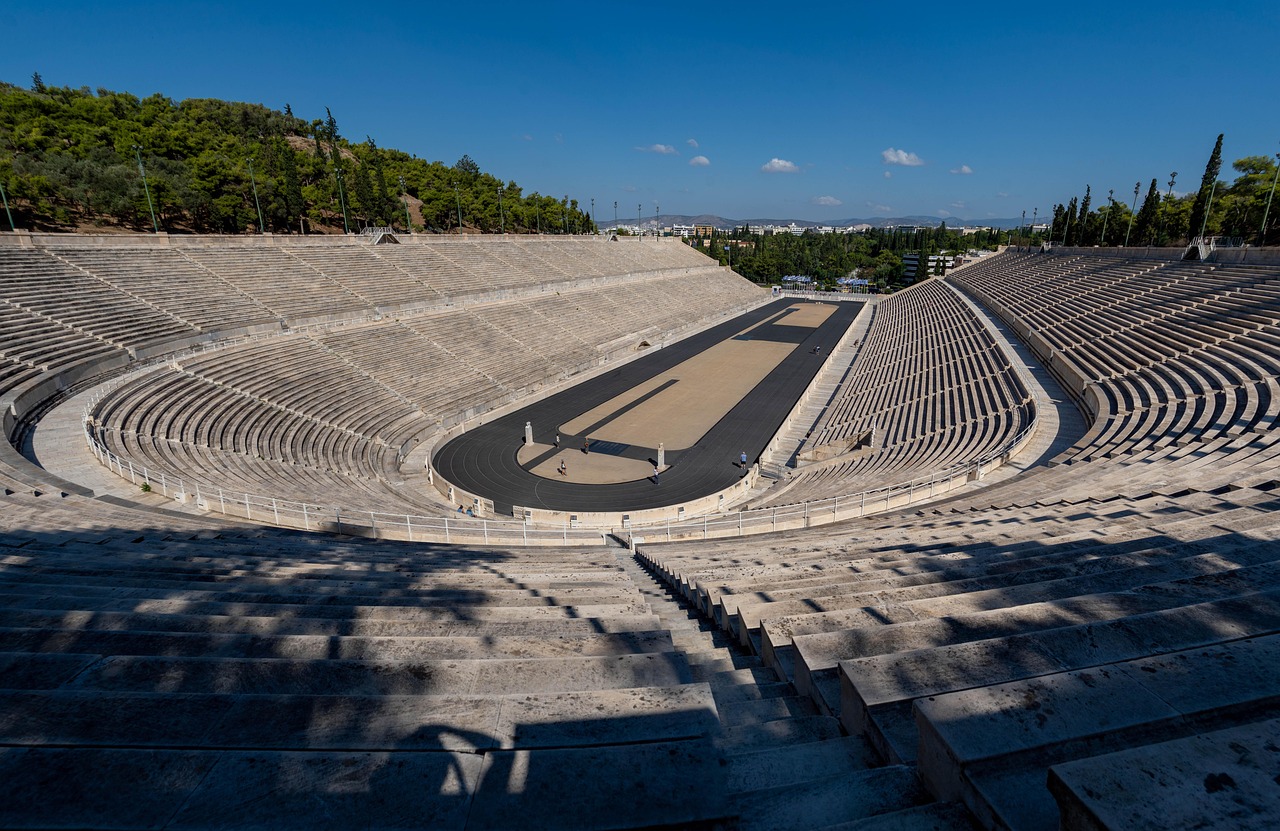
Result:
pixel 679 406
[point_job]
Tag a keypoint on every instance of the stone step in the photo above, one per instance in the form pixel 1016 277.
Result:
pixel 852 795
pixel 795 763
pixel 1220 779
pixel 588 788
pixel 286 611
pixel 936 816
pixel 747 737
pixel 992 746
pixel 323 647
pixel 151 589
pixel 661 784
pixel 732 693
pixel 329 627
pixel 411 677
pixel 737 713
pixel 391 722
pixel 876 693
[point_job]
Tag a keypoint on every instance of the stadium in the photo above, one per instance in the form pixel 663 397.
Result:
pixel 406 530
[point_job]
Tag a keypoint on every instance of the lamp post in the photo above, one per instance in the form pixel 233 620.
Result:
pixel 1022 231
pixel 657 219
pixel 137 152
pixel 458 198
pixel 615 216
pixel 342 200
pixel 593 214
pixel 1204 224
pixel 502 218
pixel 1034 213
pixel 262 226
pixel 1107 218
pixel 639 221
pixel 1262 233
pixel 1137 186
pixel 564 212
pixel 404 197
pixel 1173 177
pixel 5 197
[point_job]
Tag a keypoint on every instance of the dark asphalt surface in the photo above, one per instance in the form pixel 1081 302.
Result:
pixel 483 461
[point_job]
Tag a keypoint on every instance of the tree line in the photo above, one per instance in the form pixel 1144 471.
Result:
pixel 72 159
pixel 1217 208
pixel 874 255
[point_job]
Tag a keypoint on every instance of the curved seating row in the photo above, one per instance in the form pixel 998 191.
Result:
pixel 1177 351
pixel 931 389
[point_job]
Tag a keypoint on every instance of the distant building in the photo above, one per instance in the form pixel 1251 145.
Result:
pixel 910 263
pixel 704 230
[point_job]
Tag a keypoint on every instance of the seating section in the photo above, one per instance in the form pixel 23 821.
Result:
pixel 63 296
pixel 186 672
pixel 320 418
pixel 1069 623
pixel 1176 351
pixel 930 387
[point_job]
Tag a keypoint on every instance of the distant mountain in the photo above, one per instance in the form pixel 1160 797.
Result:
pixel 875 221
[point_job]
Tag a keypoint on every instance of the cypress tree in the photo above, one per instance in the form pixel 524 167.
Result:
pixel 1083 234
pixel 1201 205
pixel 1145 224
pixel 295 205
pixel 1072 229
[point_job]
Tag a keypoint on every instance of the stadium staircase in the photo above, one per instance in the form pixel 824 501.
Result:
pixel 788 766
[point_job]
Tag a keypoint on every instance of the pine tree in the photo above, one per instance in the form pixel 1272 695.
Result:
pixel 37 83
pixel 1201 205
pixel 1145 225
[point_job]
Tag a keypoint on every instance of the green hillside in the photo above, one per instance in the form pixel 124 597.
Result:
pixel 69 160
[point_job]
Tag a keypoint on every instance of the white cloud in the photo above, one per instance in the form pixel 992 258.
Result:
pixel 902 157
pixel 692 143
pixel 826 201
pixel 699 161
pixel 630 188
pixel 661 149
pixel 1002 195
pixel 526 137
pixel 888 175
pixel 958 205
pixel 963 170
pixel 880 209
pixel 776 165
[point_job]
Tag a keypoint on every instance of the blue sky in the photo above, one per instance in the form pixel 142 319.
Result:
pixel 813 111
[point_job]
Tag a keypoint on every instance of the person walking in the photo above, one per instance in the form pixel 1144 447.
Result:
pixel 742 460
pixel 557 441
pixel 655 474
pixel 564 471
